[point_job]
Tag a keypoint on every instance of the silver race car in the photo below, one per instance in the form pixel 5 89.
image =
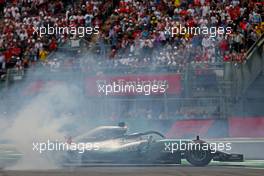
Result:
pixel 112 145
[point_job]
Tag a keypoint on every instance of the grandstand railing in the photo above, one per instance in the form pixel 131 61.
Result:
pixel 243 75
pixel 170 108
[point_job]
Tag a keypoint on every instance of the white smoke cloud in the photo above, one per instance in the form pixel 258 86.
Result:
pixel 41 119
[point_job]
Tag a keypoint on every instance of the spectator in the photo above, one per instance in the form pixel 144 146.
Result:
pixel 2 61
pixel 43 55
pixel 2 4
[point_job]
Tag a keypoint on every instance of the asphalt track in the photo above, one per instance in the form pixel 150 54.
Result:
pixel 247 168
pixel 143 171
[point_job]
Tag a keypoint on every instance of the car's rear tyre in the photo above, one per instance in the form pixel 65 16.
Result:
pixel 199 157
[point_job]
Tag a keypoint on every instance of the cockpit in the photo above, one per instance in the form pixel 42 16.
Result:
pixel 103 133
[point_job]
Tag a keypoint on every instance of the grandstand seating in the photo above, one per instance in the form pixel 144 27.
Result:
pixel 132 41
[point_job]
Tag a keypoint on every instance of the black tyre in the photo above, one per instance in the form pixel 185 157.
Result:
pixel 199 157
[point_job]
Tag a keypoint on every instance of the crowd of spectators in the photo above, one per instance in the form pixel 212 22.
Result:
pixel 21 46
pixel 134 35
pixel 136 32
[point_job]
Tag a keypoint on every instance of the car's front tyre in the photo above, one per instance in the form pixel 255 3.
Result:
pixel 199 157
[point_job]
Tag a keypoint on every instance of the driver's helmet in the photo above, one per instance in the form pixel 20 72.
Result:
pixel 122 124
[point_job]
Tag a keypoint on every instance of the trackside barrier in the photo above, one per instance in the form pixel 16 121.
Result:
pixel 233 127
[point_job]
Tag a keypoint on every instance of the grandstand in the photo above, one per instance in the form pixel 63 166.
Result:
pixel 211 79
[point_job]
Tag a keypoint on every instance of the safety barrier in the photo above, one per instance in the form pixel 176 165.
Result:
pixel 234 127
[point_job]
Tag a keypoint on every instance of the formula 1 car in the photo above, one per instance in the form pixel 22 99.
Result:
pixel 112 145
